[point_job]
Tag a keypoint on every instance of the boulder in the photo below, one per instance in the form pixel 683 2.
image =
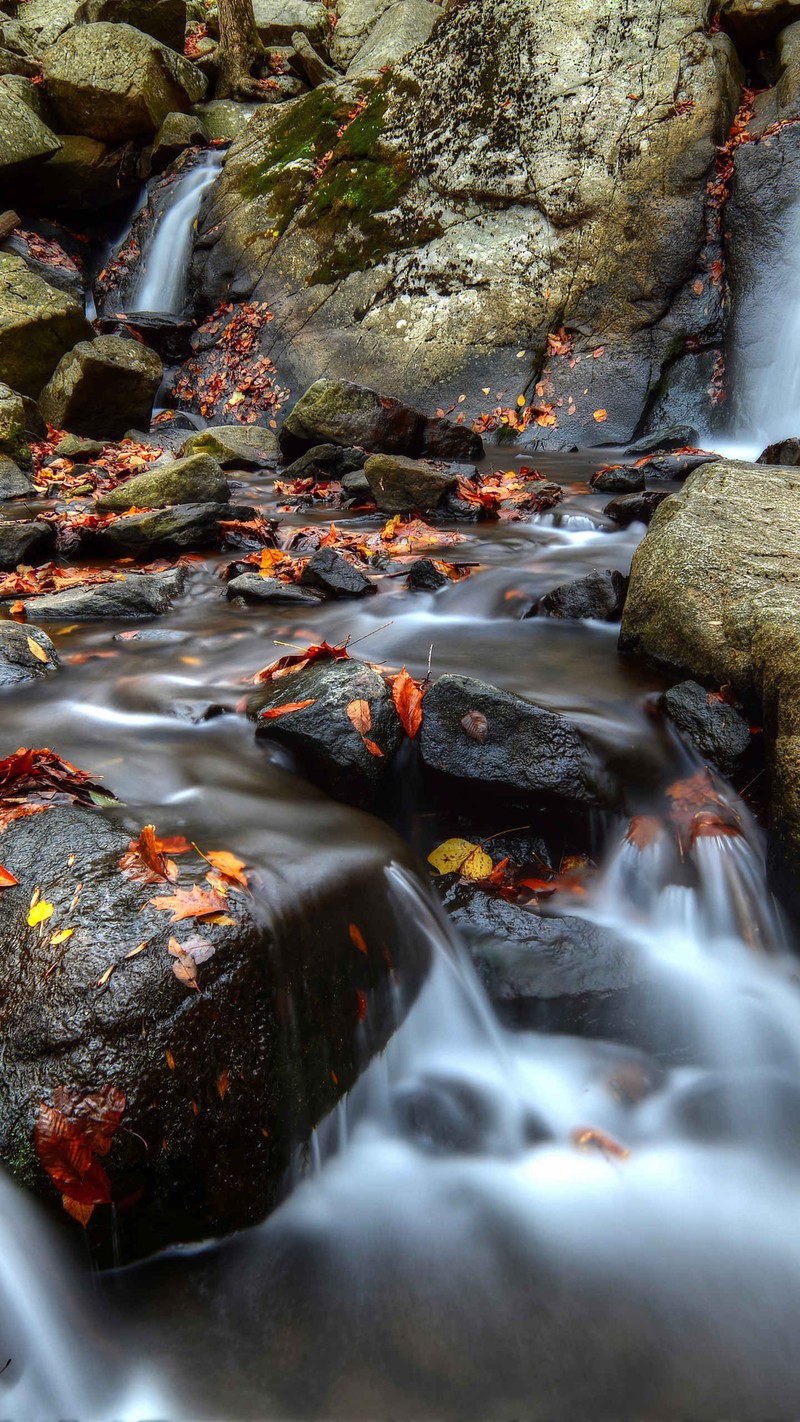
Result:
pixel 13 443
pixel 356 19
pixel 164 20
pixel 424 576
pixel 662 439
pixel 517 749
pixel 29 542
pixel 786 451
pixel 254 587
pixel 334 575
pixel 133 595
pixel 177 132
pixel 401 485
pixel 85 175
pixel 101 387
pixel 25 141
pixel 754 24
pixel 277 20
pixel 14 483
pixel 18 660
pixel 674 466
pixel 224 119
pixel 37 325
pixel 715 594
pixel 326 461
pixel 328 746
pixel 180 529
pixel 717 730
pixel 235 446
pixel 196 480
pixel 356 485
pixel 314 68
pixel 619 479
pixel 600 595
pixel 111 82
pixel 340 412
pixel 50 18
pixel 65 275
pixel 634 508
pixel 401 29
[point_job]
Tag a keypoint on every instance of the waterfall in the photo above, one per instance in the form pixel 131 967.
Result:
pixel 162 283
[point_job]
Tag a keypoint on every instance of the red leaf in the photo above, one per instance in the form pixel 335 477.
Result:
pixel 272 713
pixel 298 660
pixel 357 937
pixel 144 862
pixel 7 879
pixel 407 695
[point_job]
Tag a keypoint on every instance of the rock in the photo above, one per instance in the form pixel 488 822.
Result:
pixel 715 594
pixel 17 64
pixel 356 485
pixel 786 451
pixel 754 24
pixel 718 731
pixel 334 575
pixel 168 335
pixel 401 29
pixel 18 661
pixel 254 587
pixel 101 387
pixel 401 485
pixel 600 595
pixel 668 437
pixel 177 132
pixel 37 325
pixel 196 480
pixel 224 119
pixel 78 447
pixel 356 19
pixel 28 542
pixel 49 18
pixel 85 175
pixel 674 466
pixel 235 446
pixel 313 66
pixel 65 275
pixel 14 484
pixel 327 744
pixel 179 529
pixel 424 576
pixel 634 508
pixel 619 479
pixel 164 20
pixel 278 20
pixel 327 461
pixel 13 442
pixel 339 412
pixel 111 82
pixel 133 595
pixel 24 140
pixel 527 752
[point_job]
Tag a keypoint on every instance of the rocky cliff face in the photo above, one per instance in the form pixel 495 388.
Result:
pixel 530 167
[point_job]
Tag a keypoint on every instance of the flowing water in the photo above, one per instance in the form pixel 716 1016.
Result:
pixel 163 277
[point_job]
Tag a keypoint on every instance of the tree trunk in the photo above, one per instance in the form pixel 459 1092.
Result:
pixel 240 50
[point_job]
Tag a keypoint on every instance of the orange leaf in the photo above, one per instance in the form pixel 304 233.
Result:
pixel 80 1212
pixel 190 903
pixel 357 938
pixel 359 713
pixel 229 866
pixel 223 1084
pixel 407 695
pixel 643 830
pixel 144 861
pixel 372 747
pixel 7 880
pixel 600 416
pixel 589 1139
pixel 273 712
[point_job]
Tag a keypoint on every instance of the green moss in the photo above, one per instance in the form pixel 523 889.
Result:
pixel 306 132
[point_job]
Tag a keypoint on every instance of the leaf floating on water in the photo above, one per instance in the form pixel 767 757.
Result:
pixel 273 712
pixel 190 903
pixel 37 650
pixel 589 1139
pixel 643 830
pixel 357 937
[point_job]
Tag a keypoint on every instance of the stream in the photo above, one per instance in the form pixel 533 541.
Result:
pixel 502 1219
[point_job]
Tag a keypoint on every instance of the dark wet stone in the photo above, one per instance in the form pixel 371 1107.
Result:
pixel 668 437
pixel 401 485
pixel 323 737
pixel 634 508
pixel 424 576
pixel 718 731
pixel 335 576
pixel 622 479
pixel 675 466
pixel 255 588
pixel 18 662
pixel 729 1106
pixel 169 336
pixel 174 530
pixel 330 461
pixel 29 542
pixel 133 595
pixel 786 452
pixel 14 482
pixel 600 595
pixel 526 752
pixel 356 485
pixel 341 412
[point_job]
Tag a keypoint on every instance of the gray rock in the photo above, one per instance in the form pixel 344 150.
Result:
pixel 527 752
pixel 313 66
pixel 49 18
pixel 401 485
pixel 356 485
pixel 38 324
pixel 177 133
pixel 786 451
pixel 18 662
pixel 235 446
pixel 29 542
pixel 326 461
pixel 424 576
pixel 356 20
pixel 196 480
pixel 164 20
pixel 180 529
pixel 335 576
pixel 14 484
pixel 13 421
pixel 278 20
pixel 401 29
pixel 25 140
pixel 600 595
pixel 619 479
pixel 668 437
pixel 674 466
pixel 78 447
pixel 224 118
pixel 340 412
pixel 634 508
pixel 255 588
pixel 134 595
pixel 101 387
pixel 718 731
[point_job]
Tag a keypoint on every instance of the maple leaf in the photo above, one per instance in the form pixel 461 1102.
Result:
pixel 229 866
pixel 407 695
pixel 190 903
pixel 145 861
pixel 643 830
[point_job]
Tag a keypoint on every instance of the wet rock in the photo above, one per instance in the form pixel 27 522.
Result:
pixel 401 485
pixel 668 437
pixel 29 542
pixel 196 480
pixel 356 485
pixel 634 508
pixel 424 576
pixel 13 443
pixel 786 452
pixel 718 731
pixel 101 387
pixel 255 588
pixel 526 752
pixel 112 82
pixel 622 479
pixel 85 175
pixel 334 575
pixel 600 595
pixel 322 735
pixel 278 20
pixel 674 466
pixel 26 140
pixel 168 335
pixel 66 276
pixel 177 132
pixel 38 324
pixel 357 18
pixel 339 412
pixel 18 661
pixel 14 484
pixel 164 20
pixel 401 29
pixel 235 446
pixel 78 447
pixel 133 595
pixel 179 529
pixel 329 461
pixel 755 23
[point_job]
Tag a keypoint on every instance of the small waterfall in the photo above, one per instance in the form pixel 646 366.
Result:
pixel 162 284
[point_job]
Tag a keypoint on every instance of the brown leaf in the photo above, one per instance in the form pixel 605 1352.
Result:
pixel 643 830
pixel 273 712
pixel 372 747
pixel 229 866
pixel 407 695
pixel 357 937
pixel 190 903
pixel 69 1134
pixel 145 862
pixel 223 1084
pixel 359 713
pixel 588 1139
pixel 476 726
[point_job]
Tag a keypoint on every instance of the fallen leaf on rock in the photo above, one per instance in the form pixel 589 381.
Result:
pixel 145 862
pixel 229 866
pixel 101 981
pixel 184 968
pixel 408 695
pixel 273 713
pixel 297 660
pixel 7 879
pixel 37 650
pixel 61 936
pixel 67 1137
pixel 359 714
pixel 475 725
pixel 39 913
pixel 190 903
pixel 223 1084
pixel 460 856
pixel 134 953
pixel 600 416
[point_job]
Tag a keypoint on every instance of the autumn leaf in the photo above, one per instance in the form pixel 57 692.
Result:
pixel 228 866
pixel 588 1139
pixel 296 661
pixel 357 937
pixel 460 856
pixel 272 713
pixel 359 714
pixel 39 913
pixel 600 416
pixel 7 879
pixel 223 1084
pixel 37 650
pixel 185 967
pixel 145 862
pixel 190 903
pixel 407 695
pixel 643 830
pixel 67 1137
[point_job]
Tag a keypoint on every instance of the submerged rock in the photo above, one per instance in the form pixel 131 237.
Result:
pixel 634 508
pixel 253 587
pixel 718 731
pixel 130 595
pixel 196 480
pixel 334 575
pixel 600 595
pixel 25 542
pixel 525 752
pixel 178 529
pixel 101 387
pixel 340 412
pixel 18 660
pixel 38 324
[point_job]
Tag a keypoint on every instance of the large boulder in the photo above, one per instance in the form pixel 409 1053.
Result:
pixel 508 179
pixel 24 140
pixel 196 480
pixel 754 24
pixel 400 30
pixel 50 18
pixel 343 413
pixel 102 387
pixel 400 485
pixel 356 19
pixel 111 82
pixel 85 175
pixel 715 594
pixel 277 20
pixel 13 442
pixel 164 20
pixel 38 324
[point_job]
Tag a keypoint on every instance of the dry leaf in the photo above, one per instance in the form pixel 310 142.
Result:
pixel 190 903
pixel 223 1084
pixel 407 695
pixel 39 913
pixel 359 713
pixel 61 936
pixel 101 982
pixel 7 879
pixel 37 650
pixel 357 937
pixel 459 856
pixel 272 713
pixel 600 416
pixel 229 866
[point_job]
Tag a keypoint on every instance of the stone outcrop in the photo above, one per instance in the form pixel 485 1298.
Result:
pixel 38 325
pixel 103 387
pixel 715 594
pixel 24 140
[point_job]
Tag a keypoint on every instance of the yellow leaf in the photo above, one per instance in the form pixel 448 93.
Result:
pixel 236 398
pixel 37 651
pixel 601 416
pixel 40 912
pixel 448 858
pixel 521 401
pixel 477 865
pixel 62 936
pixel 220 918
pixel 101 982
pixel 486 389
